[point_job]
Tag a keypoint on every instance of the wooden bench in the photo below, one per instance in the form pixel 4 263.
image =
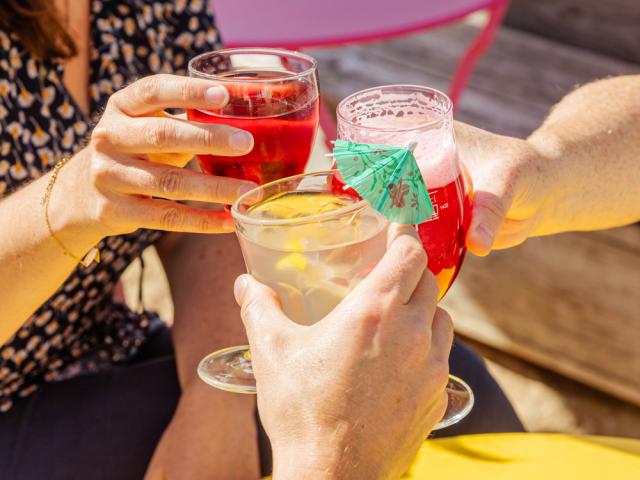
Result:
pixel 570 303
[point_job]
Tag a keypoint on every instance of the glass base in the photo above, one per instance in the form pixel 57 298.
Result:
pixel 460 402
pixel 229 369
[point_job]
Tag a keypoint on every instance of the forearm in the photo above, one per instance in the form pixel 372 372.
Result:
pixel 201 271
pixel 32 265
pixel 591 140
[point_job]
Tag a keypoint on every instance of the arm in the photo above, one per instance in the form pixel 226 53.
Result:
pixel 216 429
pixel 110 188
pixel 593 135
pixel 32 266
pixel 579 171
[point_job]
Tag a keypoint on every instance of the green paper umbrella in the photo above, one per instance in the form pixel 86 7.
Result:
pixel 387 177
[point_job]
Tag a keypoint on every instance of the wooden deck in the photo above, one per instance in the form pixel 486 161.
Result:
pixel 567 303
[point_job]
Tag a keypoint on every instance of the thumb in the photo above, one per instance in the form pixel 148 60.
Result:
pixel 261 310
pixel 490 207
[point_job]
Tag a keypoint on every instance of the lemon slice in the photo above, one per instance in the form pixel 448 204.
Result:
pixel 294 245
pixel 293 261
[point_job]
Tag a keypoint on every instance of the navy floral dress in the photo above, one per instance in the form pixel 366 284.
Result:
pixel 81 328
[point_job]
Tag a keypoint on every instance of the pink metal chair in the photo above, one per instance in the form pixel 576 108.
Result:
pixel 295 24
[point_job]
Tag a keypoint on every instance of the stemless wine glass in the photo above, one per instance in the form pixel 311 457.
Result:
pixel 273 94
pixel 312 243
pixel 400 115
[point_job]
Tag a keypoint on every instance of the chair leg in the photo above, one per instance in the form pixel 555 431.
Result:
pixel 328 124
pixel 475 51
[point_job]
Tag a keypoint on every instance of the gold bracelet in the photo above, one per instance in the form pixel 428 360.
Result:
pixel 94 253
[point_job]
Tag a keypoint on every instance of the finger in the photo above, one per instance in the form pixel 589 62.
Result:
pixel 425 296
pixel 487 215
pixel 139 177
pixel 261 310
pixel 399 270
pixel 173 135
pixel 176 159
pixel 513 232
pixel 156 214
pixel 158 92
pixel 441 335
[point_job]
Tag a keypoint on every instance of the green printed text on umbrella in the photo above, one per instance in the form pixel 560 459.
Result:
pixel 387 177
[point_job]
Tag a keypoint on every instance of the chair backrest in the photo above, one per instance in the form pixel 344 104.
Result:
pixel 304 23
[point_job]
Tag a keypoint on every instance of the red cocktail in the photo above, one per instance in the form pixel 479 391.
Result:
pixel 274 95
pixel 403 114
pixel 443 236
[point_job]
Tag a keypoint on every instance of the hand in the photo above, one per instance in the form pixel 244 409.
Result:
pixel 511 183
pixel 190 449
pixel 578 171
pixel 128 175
pixel 354 395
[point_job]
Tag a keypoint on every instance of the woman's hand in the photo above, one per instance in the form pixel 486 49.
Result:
pixel 130 174
pixel 356 394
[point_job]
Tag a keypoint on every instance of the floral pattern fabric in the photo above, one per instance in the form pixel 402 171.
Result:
pixel 81 328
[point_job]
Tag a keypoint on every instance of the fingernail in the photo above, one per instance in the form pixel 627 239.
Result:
pixel 216 96
pixel 485 236
pixel 241 141
pixel 239 288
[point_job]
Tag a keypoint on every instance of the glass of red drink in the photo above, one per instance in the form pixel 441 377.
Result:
pixel 399 115
pixel 273 94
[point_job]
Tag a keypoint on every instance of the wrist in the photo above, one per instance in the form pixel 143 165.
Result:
pixel 305 461
pixel 65 212
pixel 325 457
pixel 552 176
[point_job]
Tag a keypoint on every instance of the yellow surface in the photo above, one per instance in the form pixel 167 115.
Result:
pixel 526 456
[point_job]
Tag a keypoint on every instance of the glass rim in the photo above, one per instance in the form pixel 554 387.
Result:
pixel 256 51
pixel 439 118
pixel 282 222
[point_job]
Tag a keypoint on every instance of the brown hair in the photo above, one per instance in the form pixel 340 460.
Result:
pixel 39 26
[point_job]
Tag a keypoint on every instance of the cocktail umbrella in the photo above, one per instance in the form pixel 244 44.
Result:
pixel 387 177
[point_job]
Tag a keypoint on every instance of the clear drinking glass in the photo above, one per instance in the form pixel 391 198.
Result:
pixel 311 243
pixel 399 115
pixel 273 94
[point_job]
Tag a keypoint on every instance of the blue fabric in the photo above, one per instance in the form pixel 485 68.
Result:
pixel 492 412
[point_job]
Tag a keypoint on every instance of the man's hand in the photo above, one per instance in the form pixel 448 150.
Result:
pixel 511 182
pixel 354 395
pixel 578 171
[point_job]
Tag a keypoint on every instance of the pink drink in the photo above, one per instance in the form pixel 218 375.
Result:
pixel 399 115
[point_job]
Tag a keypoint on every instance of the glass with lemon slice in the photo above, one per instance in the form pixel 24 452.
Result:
pixel 311 243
